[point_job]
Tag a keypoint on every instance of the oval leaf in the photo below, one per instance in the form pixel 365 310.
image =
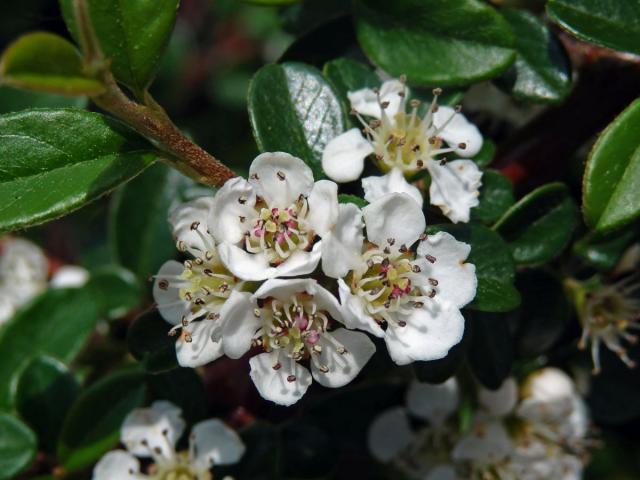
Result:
pixel 540 225
pixel 115 290
pixel 149 342
pixel 16 99
pixel 604 250
pixel 611 181
pixel 54 161
pixel 46 62
pixel 293 109
pixel 496 196
pixel 18 445
pixel 433 42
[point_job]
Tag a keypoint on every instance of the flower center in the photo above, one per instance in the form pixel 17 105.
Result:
pixel 279 232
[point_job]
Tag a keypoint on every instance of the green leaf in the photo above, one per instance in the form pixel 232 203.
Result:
pixel 182 387
pixel 357 201
pixel 491 349
pixel 540 225
pixel 131 34
pixel 604 250
pixel 15 99
pixel 55 161
pixel 139 232
pixel 433 42
pixel 271 2
pixel 486 154
pixel 496 196
pixel 45 391
pixel 293 109
pixel 612 176
pixel 46 62
pixel 92 426
pixel 116 291
pixel 18 446
pixel 56 324
pixel 494 266
pixel 612 24
pixel 542 72
pixel 149 342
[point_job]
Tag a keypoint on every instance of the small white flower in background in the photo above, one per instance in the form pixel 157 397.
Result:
pixel 152 433
pixel 267 226
pixel 410 297
pixel 294 320
pixel 404 142
pixel 192 296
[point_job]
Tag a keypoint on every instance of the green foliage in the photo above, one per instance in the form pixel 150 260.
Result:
pixel 293 109
pixel 149 342
pixel 603 250
pixel 182 387
pixel 496 196
pixel 15 99
pixel 612 176
pixel 55 161
pixel 357 201
pixel 407 36
pixel 17 446
pixel 115 290
pixel 485 156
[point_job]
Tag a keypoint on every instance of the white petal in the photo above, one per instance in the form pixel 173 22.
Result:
pixel 341 249
pixel 240 324
pixel 245 265
pixel 457 280
pixel 234 200
pixel 342 367
pixel 215 444
pixel 171 307
pixel 548 395
pixel 429 334
pixel 7 309
pixel 389 434
pixel 396 216
pixel 204 346
pixel 153 431
pixel 280 178
pixel 118 465
pixel 354 314
pixel 343 157
pixel 185 216
pixel 486 442
pixel 442 472
pixel 455 188
pixel 273 384
pixel 365 101
pixel 323 207
pixel 69 276
pixel 433 402
pixel 458 130
pixel 23 261
pixel 393 182
pixel 301 262
pixel 499 402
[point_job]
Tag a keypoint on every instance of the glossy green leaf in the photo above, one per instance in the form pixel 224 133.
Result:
pixel 54 161
pixel 496 196
pixel 486 154
pixel 357 201
pixel 149 342
pixel 18 446
pixel 15 99
pixel 115 290
pixel 44 393
pixel 92 426
pixel 495 268
pixel 46 62
pixel 604 250
pixel 293 109
pixel 614 24
pixel 540 225
pixel 131 34
pixel 56 324
pixel 433 42
pixel 542 72
pixel 271 2
pixel 182 387
pixel 612 176
pixel 491 349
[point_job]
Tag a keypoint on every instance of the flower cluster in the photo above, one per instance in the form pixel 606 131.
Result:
pixel 152 433
pixel 267 257
pixel 535 431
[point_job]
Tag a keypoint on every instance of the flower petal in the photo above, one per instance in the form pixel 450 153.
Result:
pixel 343 157
pixel 280 178
pixel 457 281
pixel 455 188
pixel 365 101
pixel 204 347
pixel 186 216
pixel 433 402
pixel 395 216
pixel 117 464
pixel 499 402
pixel 393 182
pixel 153 431
pixel 245 265
pixel 213 443
pixel 343 367
pixel 354 314
pixel 233 202
pixel 389 434
pixel 273 383
pixel 240 324
pixel 341 249
pixel 301 262
pixel 323 207
pixel 442 472
pixel 486 442
pixel 171 307
pixel 69 276
pixel 458 130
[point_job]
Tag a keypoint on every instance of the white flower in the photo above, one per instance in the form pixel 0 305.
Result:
pixel 293 320
pixel 408 143
pixel 193 296
pixel 152 433
pixel 410 297
pixel 267 226
pixel 69 276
